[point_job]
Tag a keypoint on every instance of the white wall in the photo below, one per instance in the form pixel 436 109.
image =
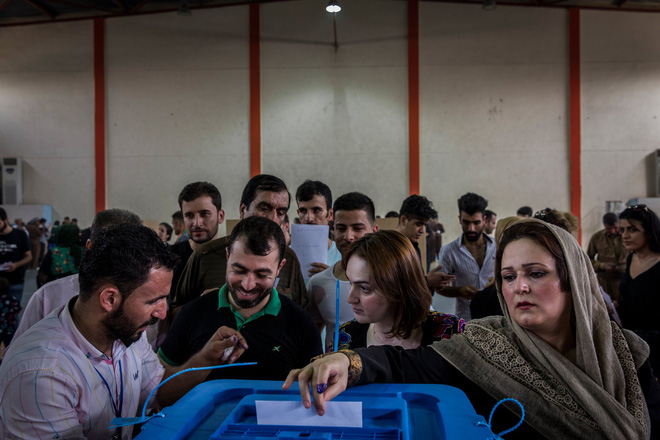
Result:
pixel 493 91
pixel 47 113
pixel 178 103
pixel 339 117
pixel 494 108
pixel 620 108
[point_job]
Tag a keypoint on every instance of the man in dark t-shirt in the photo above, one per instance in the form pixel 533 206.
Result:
pixel 280 335
pixel 14 256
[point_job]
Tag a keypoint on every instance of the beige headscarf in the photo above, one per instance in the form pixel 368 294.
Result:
pixel 502 225
pixel 598 397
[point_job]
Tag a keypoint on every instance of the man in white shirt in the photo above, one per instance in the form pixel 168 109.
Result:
pixel 471 257
pixel 354 218
pixel 314 201
pixel 89 361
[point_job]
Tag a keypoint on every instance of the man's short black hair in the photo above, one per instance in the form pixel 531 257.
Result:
pixel 112 217
pixel 610 219
pixel 263 182
pixel 258 233
pixel 488 214
pixel 195 190
pixel 177 216
pixel 123 256
pixel 355 201
pixel 472 203
pixel 392 214
pixel 311 188
pixel 417 207
pixel 3 214
pixel 525 210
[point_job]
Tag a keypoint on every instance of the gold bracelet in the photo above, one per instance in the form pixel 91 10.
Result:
pixel 354 367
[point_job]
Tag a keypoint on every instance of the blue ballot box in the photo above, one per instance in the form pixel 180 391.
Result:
pixel 225 409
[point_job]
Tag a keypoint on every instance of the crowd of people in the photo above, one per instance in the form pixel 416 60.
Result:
pixel 570 334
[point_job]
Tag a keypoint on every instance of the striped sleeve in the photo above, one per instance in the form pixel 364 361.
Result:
pixel 40 405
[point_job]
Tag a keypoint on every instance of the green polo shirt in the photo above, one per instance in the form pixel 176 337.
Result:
pixel 280 337
pixel 273 307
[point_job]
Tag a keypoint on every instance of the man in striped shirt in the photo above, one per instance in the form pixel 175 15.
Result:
pixel 89 361
pixel 471 257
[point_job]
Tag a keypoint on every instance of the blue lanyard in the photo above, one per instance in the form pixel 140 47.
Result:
pixel 121 392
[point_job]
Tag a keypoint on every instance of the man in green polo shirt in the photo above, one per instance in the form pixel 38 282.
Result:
pixel 279 334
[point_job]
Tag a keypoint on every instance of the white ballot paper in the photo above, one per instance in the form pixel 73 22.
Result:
pixel 293 413
pixel 310 243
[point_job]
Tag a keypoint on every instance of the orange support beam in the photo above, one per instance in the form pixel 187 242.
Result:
pixel 575 129
pixel 99 112
pixel 255 92
pixel 413 96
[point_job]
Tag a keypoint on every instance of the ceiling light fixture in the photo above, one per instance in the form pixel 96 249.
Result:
pixel 489 5
pixel 333 7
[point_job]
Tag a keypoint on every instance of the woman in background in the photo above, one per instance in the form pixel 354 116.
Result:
pixel 165 232
pixel 639 290
pixel 63 260
pixel 390 296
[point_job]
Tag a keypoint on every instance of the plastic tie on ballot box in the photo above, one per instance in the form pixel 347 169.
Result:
pixel 507 431
pixel 118 422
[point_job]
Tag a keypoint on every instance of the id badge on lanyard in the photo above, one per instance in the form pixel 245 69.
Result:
pixel 117 407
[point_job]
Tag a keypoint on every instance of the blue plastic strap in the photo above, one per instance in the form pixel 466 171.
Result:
pixel 126 421
pixel 337 290
pixel 490 419
pixel 522 417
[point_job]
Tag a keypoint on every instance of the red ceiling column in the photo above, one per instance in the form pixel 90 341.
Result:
pixel 575 129
pixel 99 113
pixel 413 96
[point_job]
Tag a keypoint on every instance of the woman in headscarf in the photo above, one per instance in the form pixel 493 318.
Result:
pixel 577 374
pixel 485 302
pixel 63 260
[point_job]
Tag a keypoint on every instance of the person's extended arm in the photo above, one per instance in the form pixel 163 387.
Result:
pixel 317 268
pixel 463 292
pixel 213 353
pixel 439 280
pixel 332 374
pixel 27 258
